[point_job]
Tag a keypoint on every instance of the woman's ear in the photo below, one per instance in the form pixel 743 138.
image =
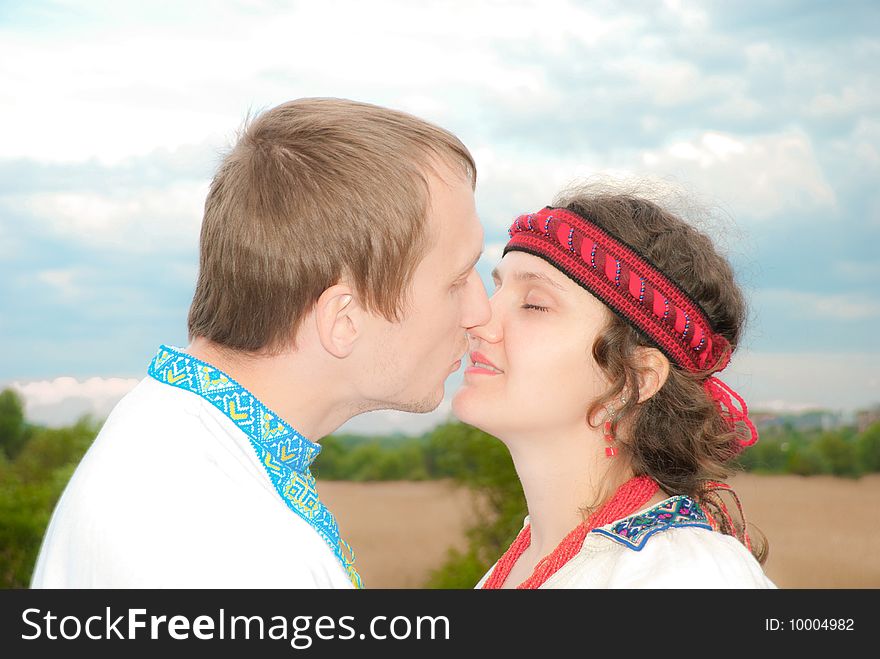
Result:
pixel 653 371
pixel 337 320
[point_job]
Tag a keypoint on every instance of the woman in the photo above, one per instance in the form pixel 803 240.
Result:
pixel 610 315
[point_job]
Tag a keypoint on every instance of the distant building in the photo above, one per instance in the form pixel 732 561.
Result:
pixel 868 417
pixel 764 420
pixel 806 420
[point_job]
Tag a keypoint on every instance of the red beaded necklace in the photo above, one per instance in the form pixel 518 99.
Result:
pixel 629 497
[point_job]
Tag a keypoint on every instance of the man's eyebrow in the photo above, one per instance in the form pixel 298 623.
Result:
pixel 472 264
pixel 530 276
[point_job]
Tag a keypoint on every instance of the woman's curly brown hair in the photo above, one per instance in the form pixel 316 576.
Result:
pixel 677 436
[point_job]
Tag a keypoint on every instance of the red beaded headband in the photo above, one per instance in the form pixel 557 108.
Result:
pixel 636 290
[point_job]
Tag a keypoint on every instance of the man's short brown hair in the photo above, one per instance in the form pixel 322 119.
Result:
pixel 314 191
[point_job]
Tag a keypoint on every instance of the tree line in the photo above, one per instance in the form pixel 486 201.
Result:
pixel 35 464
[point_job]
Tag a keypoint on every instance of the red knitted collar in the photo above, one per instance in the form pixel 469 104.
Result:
pixel 629 498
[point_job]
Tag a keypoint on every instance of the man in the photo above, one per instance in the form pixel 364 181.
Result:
pixel 336 277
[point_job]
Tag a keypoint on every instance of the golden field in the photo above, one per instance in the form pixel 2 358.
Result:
pixel 823 531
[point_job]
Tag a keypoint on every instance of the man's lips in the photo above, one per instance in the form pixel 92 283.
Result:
pixel 481 364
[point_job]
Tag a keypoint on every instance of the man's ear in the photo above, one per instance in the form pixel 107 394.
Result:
pixel 653 371
pixel 337 320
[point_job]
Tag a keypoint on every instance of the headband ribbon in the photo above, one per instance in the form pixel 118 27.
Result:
pixel 639 293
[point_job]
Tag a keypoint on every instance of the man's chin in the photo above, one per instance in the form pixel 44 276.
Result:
pixel 423 406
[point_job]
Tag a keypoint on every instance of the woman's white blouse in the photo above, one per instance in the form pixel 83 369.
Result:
pixel 659 548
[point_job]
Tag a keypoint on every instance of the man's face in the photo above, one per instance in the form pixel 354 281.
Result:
pixel 413 357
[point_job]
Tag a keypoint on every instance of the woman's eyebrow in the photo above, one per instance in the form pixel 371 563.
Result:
pixel 529 276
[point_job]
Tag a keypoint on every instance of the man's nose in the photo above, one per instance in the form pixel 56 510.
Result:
pixel 491 329
pixel 477 311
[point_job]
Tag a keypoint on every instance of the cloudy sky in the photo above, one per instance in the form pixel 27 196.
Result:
pixel 115 114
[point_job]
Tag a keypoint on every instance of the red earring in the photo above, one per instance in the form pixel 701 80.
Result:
pixel 608 432
pixel 608 429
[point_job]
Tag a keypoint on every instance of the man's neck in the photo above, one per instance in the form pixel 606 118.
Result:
pixel 290 384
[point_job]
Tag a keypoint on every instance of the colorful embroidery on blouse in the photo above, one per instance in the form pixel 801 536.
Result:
pixel 284 453
pixel 675 512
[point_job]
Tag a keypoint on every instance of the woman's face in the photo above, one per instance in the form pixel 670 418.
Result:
pixel 531 366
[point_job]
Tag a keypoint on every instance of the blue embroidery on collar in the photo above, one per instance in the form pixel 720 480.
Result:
pixel 284 453
pixel 675 512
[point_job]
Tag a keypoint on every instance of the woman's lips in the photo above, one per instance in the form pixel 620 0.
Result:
pixel 480 364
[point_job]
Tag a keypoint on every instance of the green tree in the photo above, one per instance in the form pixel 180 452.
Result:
pixel 769 455
pixel 482 462
pixel 25 508
pixel 13 431
pixel 837 453
pixel 53 448
pixel 330 463
pixel 804 461
pixel 868 449
pixel 364 463
pixel 30 487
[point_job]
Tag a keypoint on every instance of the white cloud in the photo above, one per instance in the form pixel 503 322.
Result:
pixel 121 94
pixel 61 401
pixel 667 82
pixel 712 148
pixel 863 271
pixel 10 244
pixel 761 176
pixel 140 84
pixel 830 306
pixel 691 17
pixel 62 281
pixel 754 177
pixel 512 182
pixel 136 220
pixel 841 381
pixel 492 254
pixel 852 99
pixel 761 54
pixel 864 145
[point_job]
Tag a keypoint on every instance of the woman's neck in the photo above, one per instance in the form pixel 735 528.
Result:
pixel 561 475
